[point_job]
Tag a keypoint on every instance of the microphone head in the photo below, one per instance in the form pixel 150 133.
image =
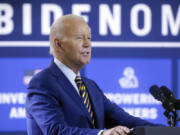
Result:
pixel 155 92
pixel 167 93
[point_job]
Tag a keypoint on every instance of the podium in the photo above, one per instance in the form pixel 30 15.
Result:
pixel 157 131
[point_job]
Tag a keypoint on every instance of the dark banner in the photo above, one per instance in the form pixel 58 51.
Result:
pixel 124 20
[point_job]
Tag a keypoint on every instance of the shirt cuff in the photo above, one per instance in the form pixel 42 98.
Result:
pixel 100 132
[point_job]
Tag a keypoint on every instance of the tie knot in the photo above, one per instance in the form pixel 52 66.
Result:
pixel 78 80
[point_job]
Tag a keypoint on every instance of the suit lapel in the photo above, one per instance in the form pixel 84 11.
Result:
pixel 69 88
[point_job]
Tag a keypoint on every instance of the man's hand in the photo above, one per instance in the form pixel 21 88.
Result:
pixel 119 130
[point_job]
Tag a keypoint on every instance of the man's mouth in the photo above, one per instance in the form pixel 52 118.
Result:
pixel 85 53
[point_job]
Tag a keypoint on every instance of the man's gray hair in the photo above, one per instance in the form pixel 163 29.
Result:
pixel 57 29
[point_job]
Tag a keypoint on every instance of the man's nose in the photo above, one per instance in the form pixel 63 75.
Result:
pixel 87 42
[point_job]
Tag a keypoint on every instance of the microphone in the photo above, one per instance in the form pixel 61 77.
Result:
pixel 169 102
pixel 168 93
pixel 159 94
pixel 170 96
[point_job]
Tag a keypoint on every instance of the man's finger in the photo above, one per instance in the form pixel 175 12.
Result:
pixel 127 130
pixel 122 130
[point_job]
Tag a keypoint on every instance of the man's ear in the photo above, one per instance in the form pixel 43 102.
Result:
pixel 58 44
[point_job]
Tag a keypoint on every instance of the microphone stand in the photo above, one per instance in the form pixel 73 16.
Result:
pixel 172 114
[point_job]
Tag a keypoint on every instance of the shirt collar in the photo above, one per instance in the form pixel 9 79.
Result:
pixel 66 70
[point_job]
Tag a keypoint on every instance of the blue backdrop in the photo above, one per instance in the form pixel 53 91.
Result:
pixel 136 44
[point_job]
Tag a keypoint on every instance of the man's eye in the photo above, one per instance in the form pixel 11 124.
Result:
pixel 78 37
pixel 89 38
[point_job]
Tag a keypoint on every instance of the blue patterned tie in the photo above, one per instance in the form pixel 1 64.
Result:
pixel 84 95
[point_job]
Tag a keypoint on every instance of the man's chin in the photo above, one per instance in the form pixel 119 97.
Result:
pixel 85 62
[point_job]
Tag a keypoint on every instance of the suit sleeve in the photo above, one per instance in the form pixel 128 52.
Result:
pixel 115 115
pixel 48 114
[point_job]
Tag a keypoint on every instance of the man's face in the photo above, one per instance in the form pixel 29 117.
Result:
pixel 76 44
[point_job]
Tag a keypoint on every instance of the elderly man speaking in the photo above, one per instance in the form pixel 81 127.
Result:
pixel 62 102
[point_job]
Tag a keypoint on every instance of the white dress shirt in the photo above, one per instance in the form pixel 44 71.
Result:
pixel 67 72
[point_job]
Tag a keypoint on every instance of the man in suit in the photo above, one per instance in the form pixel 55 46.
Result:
pixel 61 102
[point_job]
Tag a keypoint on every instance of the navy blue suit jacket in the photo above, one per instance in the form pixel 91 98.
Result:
pixel 53 107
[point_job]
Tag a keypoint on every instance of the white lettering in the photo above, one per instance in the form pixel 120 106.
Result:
pixel 46 11
pixel 27 19
pixel 19 112
pixel 137 112
pixel 77 9
pixel 144 113
pixel 135 20
pixel 113 20
pixel 12 98
pixel 129 98
pixel 6 23
pixel 169 20
pixel 153 112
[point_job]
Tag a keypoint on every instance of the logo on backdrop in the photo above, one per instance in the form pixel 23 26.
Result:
pixel 129 79
pixel 28 74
